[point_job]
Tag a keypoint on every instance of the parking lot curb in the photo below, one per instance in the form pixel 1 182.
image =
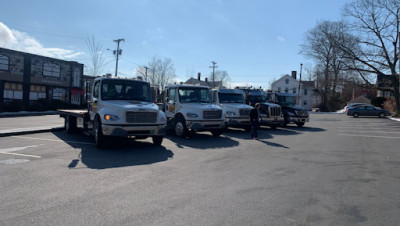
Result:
pixel 33 131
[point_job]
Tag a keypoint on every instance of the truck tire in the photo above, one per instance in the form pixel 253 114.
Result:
pixel 180 127
pixel 300 124
pixel 355 115
pixel 217 132
pixel 70 124
pixel 98 134
pixel 157 140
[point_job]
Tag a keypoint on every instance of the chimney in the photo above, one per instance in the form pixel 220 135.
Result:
pixel 198 76
pixel 294 74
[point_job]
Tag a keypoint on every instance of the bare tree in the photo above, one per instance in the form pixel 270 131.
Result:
pixel 160 71
pixel 320 46
pixel 376 25
pixel 222 76
pixel 96 56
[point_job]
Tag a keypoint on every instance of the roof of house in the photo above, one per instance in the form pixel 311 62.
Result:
pixel 360 99
pixel 308 83
pixel 193 81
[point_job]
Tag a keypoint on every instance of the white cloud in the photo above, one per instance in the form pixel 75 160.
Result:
pixel 21 41
pixel 280 39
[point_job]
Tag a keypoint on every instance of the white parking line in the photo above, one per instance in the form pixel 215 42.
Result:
pixel 54 140
pixel 353 135
pixel 369 131
pixel 17 154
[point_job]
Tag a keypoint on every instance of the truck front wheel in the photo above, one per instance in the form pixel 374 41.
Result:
pixel 98 134
pixel 216 132
pixel 157 140
pixel 180 127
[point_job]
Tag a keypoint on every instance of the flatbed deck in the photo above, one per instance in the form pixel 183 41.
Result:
pixel 72 112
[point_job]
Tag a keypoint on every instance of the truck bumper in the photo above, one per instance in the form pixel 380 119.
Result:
pixel 299 119
pixel 126 131
pixel 272 120
pixel 205 125
pixel 238 122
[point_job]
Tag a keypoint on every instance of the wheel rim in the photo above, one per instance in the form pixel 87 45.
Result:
pixel 179 128
pixel 381 115
pixel 356 115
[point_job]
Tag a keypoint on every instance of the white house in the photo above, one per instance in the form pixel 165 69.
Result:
pixel 308 97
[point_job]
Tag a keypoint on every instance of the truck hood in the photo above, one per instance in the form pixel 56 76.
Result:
pixel 201 106
pixel 270 104
pixel 226 106
pixel 130 105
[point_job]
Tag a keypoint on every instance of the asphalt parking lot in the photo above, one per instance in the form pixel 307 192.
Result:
pixel 337 170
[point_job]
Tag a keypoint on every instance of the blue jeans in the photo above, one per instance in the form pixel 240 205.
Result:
pixel 254 128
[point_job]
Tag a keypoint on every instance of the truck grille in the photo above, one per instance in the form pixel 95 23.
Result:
pixel 244 112
pixel 141 117
pixel 275 111
pixel 212 114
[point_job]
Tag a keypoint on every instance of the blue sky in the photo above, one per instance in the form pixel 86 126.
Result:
pixel 255 41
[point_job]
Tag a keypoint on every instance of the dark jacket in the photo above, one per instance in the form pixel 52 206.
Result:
pixel 253 115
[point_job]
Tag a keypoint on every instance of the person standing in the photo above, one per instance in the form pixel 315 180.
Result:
pixel 254 121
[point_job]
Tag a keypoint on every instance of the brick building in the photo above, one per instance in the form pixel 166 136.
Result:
pixel 28 79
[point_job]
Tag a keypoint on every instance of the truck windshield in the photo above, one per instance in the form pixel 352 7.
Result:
pixel 125 90
pixel 286 100
pixel 257 99
pixel 193 94
pixel 231 98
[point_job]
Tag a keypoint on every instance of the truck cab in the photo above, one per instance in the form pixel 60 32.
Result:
pixel 292 113
pixel 190 108
pixel 234 108
pixel 118 108
pixel 270 113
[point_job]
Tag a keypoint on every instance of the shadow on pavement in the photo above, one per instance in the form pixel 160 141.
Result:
pixel 120 152
pixel 203 141
pixel 273 144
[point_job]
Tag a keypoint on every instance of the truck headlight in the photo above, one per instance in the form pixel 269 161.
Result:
pixel 109 117
pixel 230 113
pixel 192 115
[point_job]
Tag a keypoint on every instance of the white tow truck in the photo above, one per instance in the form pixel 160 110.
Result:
pixel 118 108
pixel 190 108
pixel 234 107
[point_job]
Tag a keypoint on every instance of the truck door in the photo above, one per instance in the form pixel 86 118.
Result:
pixel 94 99
pixel 170 105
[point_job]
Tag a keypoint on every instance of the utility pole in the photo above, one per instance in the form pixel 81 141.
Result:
pixel 213 74
pixel 145 75
pixel 298 91
pixel 117 53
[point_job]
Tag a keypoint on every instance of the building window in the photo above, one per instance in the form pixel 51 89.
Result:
pixel 59 94
pixel 76 78
pixel 51 70
pixel 287 81
pixel 4 62
pixel 12 91
pixel 37 92
pixel 279 89
pixel 305 92
pixel 294 90
pixel 286 90
pixel 305 102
